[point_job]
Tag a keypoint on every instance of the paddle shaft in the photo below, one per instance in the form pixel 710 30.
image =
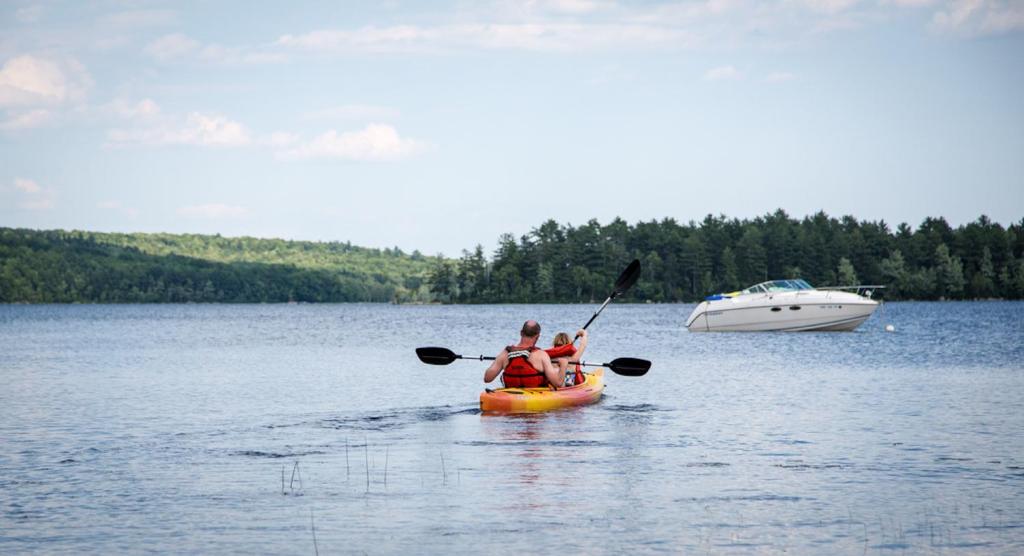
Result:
pixel 625 281
pixel 487 358
pixel 603 305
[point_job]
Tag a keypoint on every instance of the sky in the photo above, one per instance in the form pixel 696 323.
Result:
pixel 436 126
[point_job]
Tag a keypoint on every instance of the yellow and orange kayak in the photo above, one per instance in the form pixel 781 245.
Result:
pixel 523 400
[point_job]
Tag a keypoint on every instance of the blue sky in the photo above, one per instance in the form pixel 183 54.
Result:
pixel 439 125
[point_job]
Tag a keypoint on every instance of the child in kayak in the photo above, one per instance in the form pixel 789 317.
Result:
pixel 562 351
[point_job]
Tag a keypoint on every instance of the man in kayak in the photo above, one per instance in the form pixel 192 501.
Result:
pixel 524 365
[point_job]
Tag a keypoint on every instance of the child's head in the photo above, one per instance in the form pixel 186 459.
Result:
pixel 561 339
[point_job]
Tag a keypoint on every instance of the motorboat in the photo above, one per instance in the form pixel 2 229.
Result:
pixel 784 305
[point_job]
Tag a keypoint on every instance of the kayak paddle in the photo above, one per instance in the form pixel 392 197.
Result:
pixel 625 366
pixel 625 281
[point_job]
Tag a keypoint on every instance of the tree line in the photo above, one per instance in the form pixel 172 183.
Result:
pixel 554 263
pixel 70 267
pixel 685 262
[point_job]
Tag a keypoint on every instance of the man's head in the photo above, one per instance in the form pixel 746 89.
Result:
pixel 531 330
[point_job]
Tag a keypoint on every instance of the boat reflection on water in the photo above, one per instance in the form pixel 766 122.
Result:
pixel 784 305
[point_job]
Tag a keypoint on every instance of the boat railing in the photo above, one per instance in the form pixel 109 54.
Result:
pixel 862 290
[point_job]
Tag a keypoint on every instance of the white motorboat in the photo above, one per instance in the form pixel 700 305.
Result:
pixel 784 305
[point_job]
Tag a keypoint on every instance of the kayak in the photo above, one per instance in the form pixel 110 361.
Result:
pixel 521 400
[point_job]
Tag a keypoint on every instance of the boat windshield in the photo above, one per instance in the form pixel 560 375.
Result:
pixel 779 286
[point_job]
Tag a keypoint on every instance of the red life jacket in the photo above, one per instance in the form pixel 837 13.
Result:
pixel 519 373
pixel 566 350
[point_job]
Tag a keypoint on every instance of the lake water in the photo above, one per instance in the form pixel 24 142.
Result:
pixel 304 428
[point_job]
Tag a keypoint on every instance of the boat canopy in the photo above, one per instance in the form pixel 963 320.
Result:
pixel 773 286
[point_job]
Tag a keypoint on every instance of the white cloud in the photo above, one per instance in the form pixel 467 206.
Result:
pixel 148 126
pixel 569 26
pixel 212 130
pixel 26 120
pixel 198 129
pixel 216 53
pixel 33 81
pixel 172 46
pixel 178 46
pixel 515 36
pixel 722 73
pixel 33 196
pixel 957 14
pixel 123 109
pixel 980 17
pixel 585 25
pixel 574 26
pixel 342 40
pixel 213 211
pixel 375 142
pixel 573 6
pixel 364 112
pixel 27 186
pixel 128 110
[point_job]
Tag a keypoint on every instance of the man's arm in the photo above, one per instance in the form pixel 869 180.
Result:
pixel 497 366
pixel 551 372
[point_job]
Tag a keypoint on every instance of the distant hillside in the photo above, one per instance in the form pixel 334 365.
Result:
pixel 554 263
pixel 71 266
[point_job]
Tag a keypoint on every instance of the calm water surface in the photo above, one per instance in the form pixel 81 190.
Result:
pixel 295 428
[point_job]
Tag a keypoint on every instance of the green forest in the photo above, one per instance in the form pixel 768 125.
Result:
pixel 685 262
pixel 70 267
pixel 554 263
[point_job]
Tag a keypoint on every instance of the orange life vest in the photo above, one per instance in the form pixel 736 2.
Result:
pixel 519 373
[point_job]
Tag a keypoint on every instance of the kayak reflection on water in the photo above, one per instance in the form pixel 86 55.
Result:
pixel 539 446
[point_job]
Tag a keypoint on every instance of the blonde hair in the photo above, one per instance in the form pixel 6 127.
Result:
pixel 561 339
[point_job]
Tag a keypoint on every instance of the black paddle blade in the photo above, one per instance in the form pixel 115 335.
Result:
pixel 628 277
pixel 629 366
pixel 436 355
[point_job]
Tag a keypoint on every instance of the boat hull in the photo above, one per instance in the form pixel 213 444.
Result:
pixel 526 400
pixel 792 313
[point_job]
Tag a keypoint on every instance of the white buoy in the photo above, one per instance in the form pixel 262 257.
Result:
pixel 890 328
